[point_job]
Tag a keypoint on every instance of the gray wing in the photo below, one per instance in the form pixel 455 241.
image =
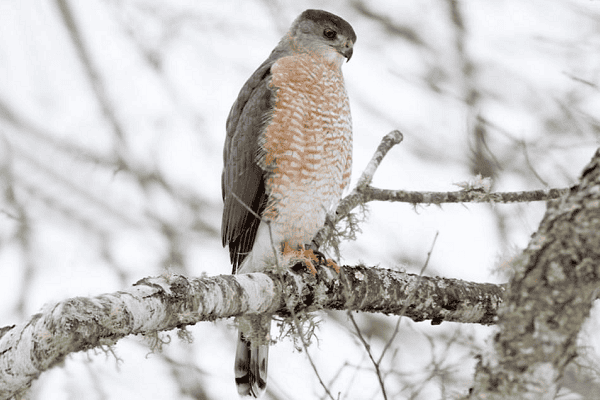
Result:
pixel 242 181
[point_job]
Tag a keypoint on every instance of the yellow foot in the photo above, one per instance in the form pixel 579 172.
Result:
pixel 309 258
pixel 332 264
pixel 305 256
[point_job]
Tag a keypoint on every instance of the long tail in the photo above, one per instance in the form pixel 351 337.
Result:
pixel 252 356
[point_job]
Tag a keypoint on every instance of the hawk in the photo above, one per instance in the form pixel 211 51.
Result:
pixel 287 159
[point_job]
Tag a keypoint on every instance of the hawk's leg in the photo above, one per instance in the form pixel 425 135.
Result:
pixel 309 257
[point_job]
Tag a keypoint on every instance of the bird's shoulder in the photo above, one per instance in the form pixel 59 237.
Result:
pixel 256 86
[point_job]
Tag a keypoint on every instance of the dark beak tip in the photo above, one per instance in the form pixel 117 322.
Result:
pixel 348 54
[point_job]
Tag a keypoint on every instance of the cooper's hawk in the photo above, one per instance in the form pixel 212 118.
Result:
pixel 287 156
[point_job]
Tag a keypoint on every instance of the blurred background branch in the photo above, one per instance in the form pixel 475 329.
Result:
pixel 112 116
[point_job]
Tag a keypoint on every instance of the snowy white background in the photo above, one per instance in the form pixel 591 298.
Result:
pixel 112 122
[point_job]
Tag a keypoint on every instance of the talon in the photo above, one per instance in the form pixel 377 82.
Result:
pixel 326 261
pixel 332 264
pixel 305 256
pixel 309 257
pixel 311 268
pixel 287 250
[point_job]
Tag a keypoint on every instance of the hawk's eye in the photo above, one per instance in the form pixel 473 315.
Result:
pixel 329 33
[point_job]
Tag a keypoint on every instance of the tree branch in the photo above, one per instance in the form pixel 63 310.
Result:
pixel 551 295
pixel 462 196
pixel 363 193
pixel 92 72
pixel 174 301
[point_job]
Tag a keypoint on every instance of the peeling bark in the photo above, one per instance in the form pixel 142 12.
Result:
pixel 557 279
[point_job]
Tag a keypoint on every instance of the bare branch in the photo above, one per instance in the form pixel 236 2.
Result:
pixel 363 193
pixel 298 326
pixel 370 354
pixel 462 196
pixel 80 324
pixel 377 364
pixel 390 140
pixel 92 72
pixel 410 297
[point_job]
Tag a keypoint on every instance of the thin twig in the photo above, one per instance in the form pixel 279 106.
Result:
pixel 363 193
pixel 409 299
pixel 368 349
pixel 246 206
pixel 93 74
pixel 355 198
pixel 390 140
pixel 377 364
pixel 305 347
pixel 462 196
pixel 523 145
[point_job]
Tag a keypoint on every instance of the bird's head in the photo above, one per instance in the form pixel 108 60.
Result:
pixel 324 31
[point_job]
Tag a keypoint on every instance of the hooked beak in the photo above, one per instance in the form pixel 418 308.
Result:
pixel 347 50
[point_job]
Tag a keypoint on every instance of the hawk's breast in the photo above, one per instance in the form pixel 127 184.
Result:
pixel 306 146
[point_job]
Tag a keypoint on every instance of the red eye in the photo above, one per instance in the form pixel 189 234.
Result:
pixel 329 33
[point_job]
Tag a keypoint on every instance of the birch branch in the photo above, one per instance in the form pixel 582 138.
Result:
pixel 174 301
